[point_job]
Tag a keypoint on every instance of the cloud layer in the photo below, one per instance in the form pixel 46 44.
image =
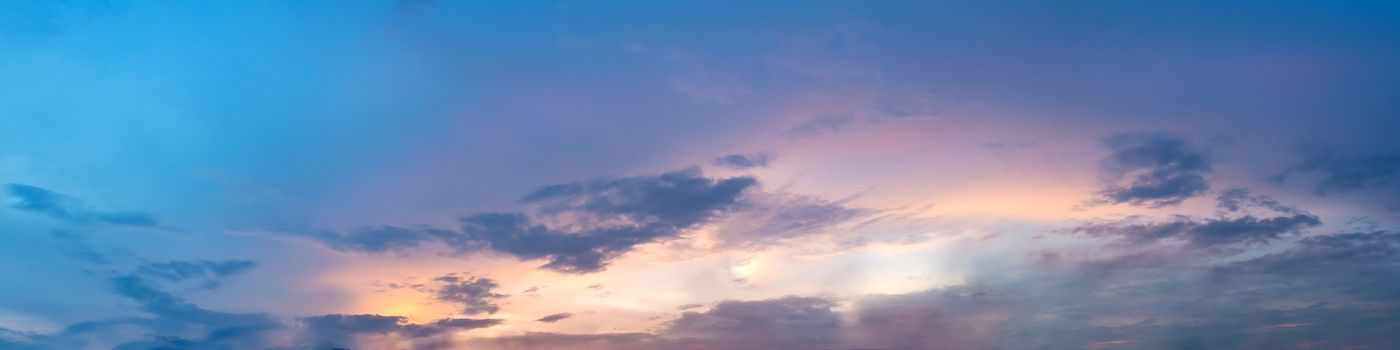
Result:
pixel 1152 169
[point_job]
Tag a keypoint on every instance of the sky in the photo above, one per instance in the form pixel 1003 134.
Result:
pixel 619 175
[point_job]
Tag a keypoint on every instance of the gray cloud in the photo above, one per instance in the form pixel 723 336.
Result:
pixel 1330 291
pixel 558 341
pixel 764 219
pixel 579 227
pixel 1358 264
pixel 1368 174
pixel 1002 146
pixel 340 331
pixel 554 317
pixel 743 161
pixel 378 239
pixel 16 340
pixel 789 322
pixel 58 206
pixel 821 124
pixel 1152 170
pixel 689 306
pixel 951 318
pixel 1347 172
pixel 171 322
pixel 780 323
pixel 1238 199
pixel 211 273
pixel 474 294
pixel 1206 233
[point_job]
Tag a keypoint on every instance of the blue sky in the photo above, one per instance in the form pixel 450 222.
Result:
pixel 685 175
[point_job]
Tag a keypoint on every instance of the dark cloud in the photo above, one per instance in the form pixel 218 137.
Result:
pixel 69 209
pixel 474 294
pixel 1152 170
pixel 554 317
pixel 789 322
pixel 1206 233
pixel 743 161
pixel 579 227
pixel 341 331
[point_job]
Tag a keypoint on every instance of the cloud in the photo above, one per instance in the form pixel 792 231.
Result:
pixel 338 331
pixel 788 322
pixel 780 323
pixel 743 161
pixel 1330 291
pixel 1237 199
pixel 558 341
pixel 554 317
pixel 689 306
pixel 474 294
pixel 210 272
pixel 706 88
pixel 171 322
pixel 821 124
pixel 1347 172
pixel 1206 233
pixel 1152 170
pixel 1002 146
pixel 765 219
pixel 579 227
pixel 949 318
pixel 1176 313
pixel 342 331
pixel 1369 174
pixel 1357 264
pixel 58 206
pixel 378 239
pixel 1243 304
pixel 16 340
pixel 174 323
